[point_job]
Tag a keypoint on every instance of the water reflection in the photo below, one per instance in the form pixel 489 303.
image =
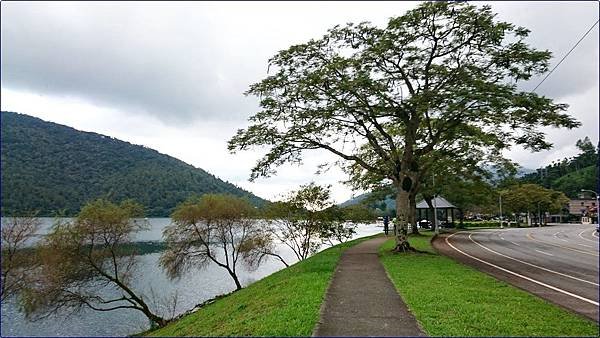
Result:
pixel 193 288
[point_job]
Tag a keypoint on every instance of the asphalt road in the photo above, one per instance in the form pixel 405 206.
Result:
pixel 558 262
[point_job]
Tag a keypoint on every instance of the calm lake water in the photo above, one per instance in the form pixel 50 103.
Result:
pixel 193 288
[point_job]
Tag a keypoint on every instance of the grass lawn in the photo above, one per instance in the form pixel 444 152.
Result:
pixel 286 303
pixel 451 299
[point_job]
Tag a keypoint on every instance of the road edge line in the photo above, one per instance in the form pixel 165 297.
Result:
pixel 519 275
pixel 530 264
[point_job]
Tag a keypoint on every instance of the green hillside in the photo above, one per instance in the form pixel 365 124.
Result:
pixel 570 175
pixel 50 167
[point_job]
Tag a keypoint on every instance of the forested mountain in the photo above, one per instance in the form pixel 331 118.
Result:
pixel 569 175
pixel 50 167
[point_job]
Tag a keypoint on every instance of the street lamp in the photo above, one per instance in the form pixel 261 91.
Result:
pixel 597 200
pixel 435 220
pixel 500 198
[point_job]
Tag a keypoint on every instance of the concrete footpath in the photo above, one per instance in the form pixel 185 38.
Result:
pixel 362 301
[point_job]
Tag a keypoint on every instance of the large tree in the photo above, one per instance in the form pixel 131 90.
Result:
pixel 437 82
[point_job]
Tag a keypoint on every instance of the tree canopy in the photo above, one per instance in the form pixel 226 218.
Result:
pixel 531 198
pixel 437 83
pixel 216 228
pixel 85 262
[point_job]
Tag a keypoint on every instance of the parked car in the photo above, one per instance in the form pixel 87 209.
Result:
pixel 425 224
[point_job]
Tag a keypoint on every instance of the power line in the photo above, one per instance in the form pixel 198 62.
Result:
pixel 564 57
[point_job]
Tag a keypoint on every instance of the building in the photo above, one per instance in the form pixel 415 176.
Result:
pixel 582 207
pixel 445 211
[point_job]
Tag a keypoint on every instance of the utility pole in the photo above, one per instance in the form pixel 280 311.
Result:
pixel 539 216
pixel 435 220
pixel 500 198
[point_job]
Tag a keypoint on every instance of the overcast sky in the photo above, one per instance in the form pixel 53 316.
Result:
pixel 170 76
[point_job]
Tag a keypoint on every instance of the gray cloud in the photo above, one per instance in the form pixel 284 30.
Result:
pixel 164 61
pixel 556 26
pixel 186 63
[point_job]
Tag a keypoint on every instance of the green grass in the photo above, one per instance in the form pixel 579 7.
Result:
pixel 451 299
pixel 286 303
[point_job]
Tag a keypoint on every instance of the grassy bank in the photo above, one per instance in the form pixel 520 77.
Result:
pixel 286 303
pixel 451 299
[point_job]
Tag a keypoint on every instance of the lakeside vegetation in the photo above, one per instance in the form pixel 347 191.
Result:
pixel 62 269
pixel 48 167
pixel 451 299
pixel 286 303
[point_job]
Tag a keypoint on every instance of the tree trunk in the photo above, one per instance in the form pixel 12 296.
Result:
pixel 238 285
pixel 154 319
pixel 461 217
pixel 405 186
pixel 400 229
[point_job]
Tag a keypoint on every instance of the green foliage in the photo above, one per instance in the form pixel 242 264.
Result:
pixel 572 183
pixel 306 219
pixel 436 83
pixel 530 197
pixel 49 167
pixel 569 175
pixel 358 213
pixel 79 258
pixel 475 195
pixel 450 299
pixel 18 260
pixel 215 228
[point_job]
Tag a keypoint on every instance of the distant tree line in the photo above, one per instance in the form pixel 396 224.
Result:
pixel 551 186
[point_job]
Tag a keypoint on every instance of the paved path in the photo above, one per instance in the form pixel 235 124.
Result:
pixel 362 301
pixel 558 263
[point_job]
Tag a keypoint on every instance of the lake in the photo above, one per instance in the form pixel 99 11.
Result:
pixel 193 288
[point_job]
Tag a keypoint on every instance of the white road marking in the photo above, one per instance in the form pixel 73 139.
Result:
pixel 560 239
pixel 545 253
pixel 517 244
pixel 595 234
pixel 589 246
pixel 521 276
pixel 530 264
pixel 561 246
pixel 589 240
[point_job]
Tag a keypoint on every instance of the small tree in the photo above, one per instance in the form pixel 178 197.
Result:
pixel 215 228
pixel 306 219
pixel 84 260
pixel 337 229
pixel 17 261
